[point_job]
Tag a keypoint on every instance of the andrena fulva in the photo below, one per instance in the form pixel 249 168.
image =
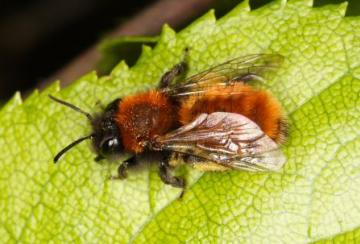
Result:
pixel 214 121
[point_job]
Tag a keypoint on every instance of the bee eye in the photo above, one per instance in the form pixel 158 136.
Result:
pixel 110 146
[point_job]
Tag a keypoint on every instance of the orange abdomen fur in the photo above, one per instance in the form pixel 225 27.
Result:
pixel 257 105
pixel 142 116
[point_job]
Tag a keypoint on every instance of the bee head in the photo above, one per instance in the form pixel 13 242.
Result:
pixel 106 137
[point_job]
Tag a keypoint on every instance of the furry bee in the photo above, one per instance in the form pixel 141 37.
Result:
pixel 215 120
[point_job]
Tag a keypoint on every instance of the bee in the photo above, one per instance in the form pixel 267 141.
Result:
pixel 215 120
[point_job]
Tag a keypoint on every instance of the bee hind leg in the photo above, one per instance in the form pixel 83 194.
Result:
pixel 169 179
pixel 176 70
pixel 122 169
pixel 169 76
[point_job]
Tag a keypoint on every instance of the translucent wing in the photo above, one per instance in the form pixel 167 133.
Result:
pixel 246 68
pixel 229 139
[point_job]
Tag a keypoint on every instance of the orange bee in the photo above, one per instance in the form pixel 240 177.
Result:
pixel 214 121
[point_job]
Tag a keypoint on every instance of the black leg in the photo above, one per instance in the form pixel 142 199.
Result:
pixel 169 76
pixel 167 178
pixel 178 69
pixel 122 170
pixel 98 158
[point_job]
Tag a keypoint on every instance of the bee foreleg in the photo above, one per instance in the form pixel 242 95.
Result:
pixel 98 159
pixel 167 178
pixel 122 169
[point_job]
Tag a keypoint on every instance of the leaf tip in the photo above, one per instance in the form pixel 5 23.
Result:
pixel 33 95
pixel 167 37
pixel 146 52
pixel 167 32
pixel 14 101
pixel 243 6
pixel 200 28
pixel 120 68
pixel 208 16
pixel 54 87
pixel 343 7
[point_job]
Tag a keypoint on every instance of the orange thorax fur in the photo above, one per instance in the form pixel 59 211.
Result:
pixel 143 116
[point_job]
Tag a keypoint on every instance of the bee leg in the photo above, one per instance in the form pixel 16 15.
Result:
pixel 167 178
pixel 122 170
pixel 169 76
pixel 98 159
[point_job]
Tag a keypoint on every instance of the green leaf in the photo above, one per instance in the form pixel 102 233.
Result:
pixel 353 8
pixel 315 197
pixel 113 50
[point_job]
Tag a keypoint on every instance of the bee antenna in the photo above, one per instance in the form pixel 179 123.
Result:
pixel 71 106
pixel 71 145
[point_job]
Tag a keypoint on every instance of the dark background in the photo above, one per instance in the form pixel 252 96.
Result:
pixel 39 37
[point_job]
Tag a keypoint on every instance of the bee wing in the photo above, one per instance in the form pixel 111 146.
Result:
pixel 246 68
pixel 229 139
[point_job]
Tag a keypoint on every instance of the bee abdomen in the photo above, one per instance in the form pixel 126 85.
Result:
pixel 258 105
